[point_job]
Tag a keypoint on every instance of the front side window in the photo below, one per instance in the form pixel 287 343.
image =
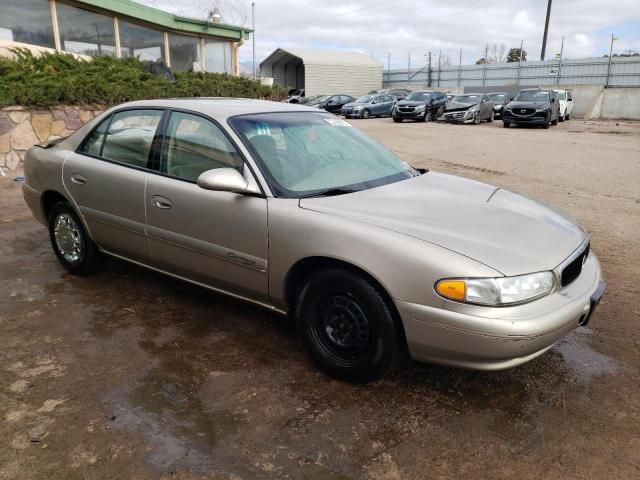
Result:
pixel 27 21
pixel 85 32
pixel 193 145
pixel 471 99
pixel 498 98
pixel 304 153
pixel 130 136
pixel 418 97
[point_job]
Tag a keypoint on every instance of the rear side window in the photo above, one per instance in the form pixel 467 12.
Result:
pixel 193 145
pixel 130 136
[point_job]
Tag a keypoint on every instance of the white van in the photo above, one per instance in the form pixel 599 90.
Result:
pixel 566 104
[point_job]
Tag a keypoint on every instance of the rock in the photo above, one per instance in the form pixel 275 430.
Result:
pixel 37 433
pixel 19 117
pixel 12 160
pixel 57 126
pixel 23 137
pixel 5 143
pixel 41 124
pixel 6 126
pixel 85 116
pixel 71 113
pixel 73 123
pixel 59 115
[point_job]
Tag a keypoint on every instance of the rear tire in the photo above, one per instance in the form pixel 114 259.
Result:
pixel 71 243
pixel 347 327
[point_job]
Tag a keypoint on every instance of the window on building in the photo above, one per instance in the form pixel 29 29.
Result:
pixel 26 21
pixel 85 32
pixel 217 56
pixel 139 41
pixel 184 52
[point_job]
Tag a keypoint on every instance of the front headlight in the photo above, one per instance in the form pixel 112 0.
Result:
pixel 359 107
pixel 420 108
pixel 543 109
pixel 497 292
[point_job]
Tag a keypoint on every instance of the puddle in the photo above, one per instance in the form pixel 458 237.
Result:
pixel 582 359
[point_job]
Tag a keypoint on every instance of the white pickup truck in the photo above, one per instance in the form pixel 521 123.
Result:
pixel 566 105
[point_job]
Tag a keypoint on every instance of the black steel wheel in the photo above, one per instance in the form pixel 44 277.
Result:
pixel 347 327
pixel 366 113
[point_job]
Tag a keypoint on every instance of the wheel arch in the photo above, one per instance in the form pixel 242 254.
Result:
pixel 48 199
pixel 304 268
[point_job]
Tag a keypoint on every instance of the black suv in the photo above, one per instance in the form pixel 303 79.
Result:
pixel 421 106
pixel 532 107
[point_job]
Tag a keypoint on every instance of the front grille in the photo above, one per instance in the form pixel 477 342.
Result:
pixel 572 271
pixel 455 115
pixel 523 111
pixel 406 109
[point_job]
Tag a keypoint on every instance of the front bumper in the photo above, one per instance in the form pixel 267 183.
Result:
pixel 412 115
pixel 489 338
pixel 463 116
pixel 351 113
pixel 538 118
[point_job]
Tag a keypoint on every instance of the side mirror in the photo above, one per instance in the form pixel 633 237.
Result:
pixel 223 180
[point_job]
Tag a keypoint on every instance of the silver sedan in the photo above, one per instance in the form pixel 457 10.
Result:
pixel 295 210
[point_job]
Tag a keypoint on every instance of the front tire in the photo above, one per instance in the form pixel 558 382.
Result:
pixel 366 114
pixel 347 327
pixel 555 122
pixel 71 243
pixel 491 118
pixel 397 120
pixel 477 119
pixel 506 124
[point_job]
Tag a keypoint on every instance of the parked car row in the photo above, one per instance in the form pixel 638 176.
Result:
pixel 530 106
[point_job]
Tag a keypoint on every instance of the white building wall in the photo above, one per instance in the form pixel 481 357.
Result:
pixel 352 80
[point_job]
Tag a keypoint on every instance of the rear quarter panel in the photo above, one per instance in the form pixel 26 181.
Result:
pixel 43 172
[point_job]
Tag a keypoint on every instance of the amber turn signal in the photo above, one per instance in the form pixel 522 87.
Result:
pixel 453 289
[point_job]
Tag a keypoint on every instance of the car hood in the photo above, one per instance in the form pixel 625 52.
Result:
pixel 459 106
pixel 527 104
pixel 411 103
pixel 501 229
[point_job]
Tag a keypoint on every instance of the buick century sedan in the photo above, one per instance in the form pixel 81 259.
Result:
pixel 299 212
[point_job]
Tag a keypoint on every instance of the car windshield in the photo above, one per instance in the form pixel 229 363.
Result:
pixel 466 98
pixel 497 97
pixel 418 97
pixel 365 99
pixel 304 154
pixel 562 95
pixel 310 99
pixel 532 96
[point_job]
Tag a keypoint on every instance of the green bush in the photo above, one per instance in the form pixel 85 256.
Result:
pixel 59 78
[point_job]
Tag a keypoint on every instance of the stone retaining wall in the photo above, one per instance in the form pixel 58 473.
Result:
pixel 21 128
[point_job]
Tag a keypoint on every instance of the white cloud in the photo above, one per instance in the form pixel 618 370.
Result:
pixel 379 27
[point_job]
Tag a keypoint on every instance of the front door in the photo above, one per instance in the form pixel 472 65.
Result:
pixel 106 180
pixel 216 238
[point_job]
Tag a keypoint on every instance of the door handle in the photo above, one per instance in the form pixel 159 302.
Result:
pixel 161 202
pixel 79 179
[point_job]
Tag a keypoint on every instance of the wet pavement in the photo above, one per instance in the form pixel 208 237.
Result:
pixel 129 374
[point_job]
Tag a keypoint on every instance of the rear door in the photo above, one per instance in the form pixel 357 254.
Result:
pixel 215 238
pixel 106 179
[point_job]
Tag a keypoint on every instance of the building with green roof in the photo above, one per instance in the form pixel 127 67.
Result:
pixel 122 28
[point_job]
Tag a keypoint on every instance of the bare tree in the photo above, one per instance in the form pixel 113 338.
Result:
pixel 497 53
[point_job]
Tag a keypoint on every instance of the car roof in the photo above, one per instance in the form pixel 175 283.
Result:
pixel 220 108
pixel 498 93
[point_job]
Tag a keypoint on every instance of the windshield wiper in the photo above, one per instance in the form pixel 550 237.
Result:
pixel 330 192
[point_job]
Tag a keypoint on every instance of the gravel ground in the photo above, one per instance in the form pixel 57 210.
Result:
pixel 128 374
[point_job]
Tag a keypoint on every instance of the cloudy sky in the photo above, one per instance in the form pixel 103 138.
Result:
pixel 413 27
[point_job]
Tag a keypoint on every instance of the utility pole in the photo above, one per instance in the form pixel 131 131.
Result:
pixel 560 62
pixel 519 62
pixel 546 31
pixel 429 70
pixel 460 67
pixel 613 39
pixel 439 66
pixel 253 37
pixel 408 68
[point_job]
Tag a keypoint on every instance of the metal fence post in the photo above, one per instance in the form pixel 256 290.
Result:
pixel 439 66
pixel 429 72
pixel 484 70
pixel 560 62
pixel 519 63
pixel 460 68
pixel 613 38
